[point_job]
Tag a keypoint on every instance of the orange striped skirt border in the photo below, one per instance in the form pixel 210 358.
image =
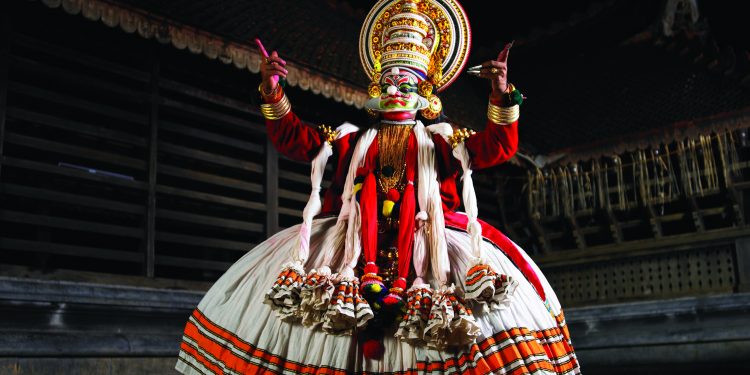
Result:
pixel 210 349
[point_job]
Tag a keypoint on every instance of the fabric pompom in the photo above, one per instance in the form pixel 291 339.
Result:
pixel 373 349
pixel 388 208
pixel 393 195
pixel 361 172
pixel 372 284
pixel 356 188
pixel 516 98
pixel 393 300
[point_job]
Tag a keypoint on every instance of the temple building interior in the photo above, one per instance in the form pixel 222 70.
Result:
pixel 135 167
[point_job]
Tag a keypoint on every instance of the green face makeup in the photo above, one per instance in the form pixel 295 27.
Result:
pixel 399 91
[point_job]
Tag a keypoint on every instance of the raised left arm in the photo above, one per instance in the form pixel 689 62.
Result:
pixel 498 142
pixel 494 145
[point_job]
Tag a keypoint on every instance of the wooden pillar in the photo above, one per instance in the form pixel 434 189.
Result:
pixel 578 235
pixel 697 214
pixel 150 227
pixel 4 66
pixel 742 254
pixel 614 225
pixel 654 220
pixel 272 189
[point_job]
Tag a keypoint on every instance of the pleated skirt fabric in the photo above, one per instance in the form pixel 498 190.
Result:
pixel 233 332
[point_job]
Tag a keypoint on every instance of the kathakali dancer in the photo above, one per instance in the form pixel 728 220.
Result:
pixel 384 275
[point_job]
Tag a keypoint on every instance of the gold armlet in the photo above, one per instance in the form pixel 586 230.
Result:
pixel 502 115
pixel 460 135
pixel 275 111
pixel 329 134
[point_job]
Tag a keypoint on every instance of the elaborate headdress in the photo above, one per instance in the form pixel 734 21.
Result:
pixel 430 38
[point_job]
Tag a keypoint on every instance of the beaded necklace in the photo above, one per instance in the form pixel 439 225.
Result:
pixel 393 140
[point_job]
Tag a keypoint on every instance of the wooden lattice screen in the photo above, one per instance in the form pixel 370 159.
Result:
pixel 664 275
pixel 126 157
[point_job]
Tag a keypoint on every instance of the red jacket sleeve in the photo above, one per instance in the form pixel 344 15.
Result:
pixel 293 138
pixel 494 145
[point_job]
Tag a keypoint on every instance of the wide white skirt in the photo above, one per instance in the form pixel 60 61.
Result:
pixel 233 332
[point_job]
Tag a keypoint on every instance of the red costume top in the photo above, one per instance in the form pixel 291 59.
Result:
pixel 492 146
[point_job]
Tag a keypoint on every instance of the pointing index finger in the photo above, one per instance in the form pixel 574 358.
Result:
pixel 503 55
pixel 261 48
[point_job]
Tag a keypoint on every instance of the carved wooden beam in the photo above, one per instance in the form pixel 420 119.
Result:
pixel 697 214
pixel 654 220
pixel 577 233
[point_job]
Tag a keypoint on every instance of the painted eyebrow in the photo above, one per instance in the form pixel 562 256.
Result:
pixel 390 80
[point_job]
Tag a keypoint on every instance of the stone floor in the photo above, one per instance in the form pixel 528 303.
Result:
pixel 64 327
pixel 88 366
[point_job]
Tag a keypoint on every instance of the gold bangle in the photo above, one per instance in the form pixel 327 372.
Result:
pixel 275 111
pixel 278 108
pixel 502 115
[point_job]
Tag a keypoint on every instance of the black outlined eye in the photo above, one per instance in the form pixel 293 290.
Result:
pixel 405 88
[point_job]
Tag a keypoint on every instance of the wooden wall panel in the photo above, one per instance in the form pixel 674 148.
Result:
pixel 129 157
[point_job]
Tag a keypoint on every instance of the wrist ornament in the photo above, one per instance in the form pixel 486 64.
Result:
pixel 270 97
pixel 277 110
pixel 502 115
pixel 508 109
pixel 512 96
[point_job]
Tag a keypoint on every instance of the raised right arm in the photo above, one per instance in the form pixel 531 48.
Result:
pixel 288 134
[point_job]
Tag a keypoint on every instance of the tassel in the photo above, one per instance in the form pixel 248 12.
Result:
pixel 348 223
pixel 316 297
pixel 480 278
pixel 451 323
pixel 394 300
pixel 429 188
pixel 347 311
pixel 419 252
pixel 313 204
pixel 485 286
pixel 372 284
pixel 368 205
pixel 418 306
pixel 284 295
pixel 405 230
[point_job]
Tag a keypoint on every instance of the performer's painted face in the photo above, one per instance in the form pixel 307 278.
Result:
pixel 398 93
